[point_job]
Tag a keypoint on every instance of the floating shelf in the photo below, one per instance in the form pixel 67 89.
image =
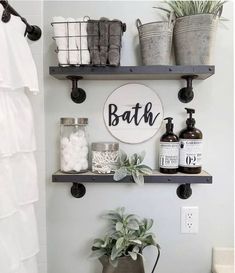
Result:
pixel 183 191
pixel 153 72
pixel 156 177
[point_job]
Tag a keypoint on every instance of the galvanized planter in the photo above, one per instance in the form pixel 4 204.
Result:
pixel 125 265
pixel 155 42
pixel 194 38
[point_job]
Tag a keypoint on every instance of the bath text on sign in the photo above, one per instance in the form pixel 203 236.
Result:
pixel 133 115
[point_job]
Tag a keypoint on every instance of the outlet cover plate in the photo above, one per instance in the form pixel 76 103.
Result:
pixel 189 219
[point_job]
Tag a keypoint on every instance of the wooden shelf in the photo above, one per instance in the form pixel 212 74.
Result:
pixel 156 177
pixel 155 72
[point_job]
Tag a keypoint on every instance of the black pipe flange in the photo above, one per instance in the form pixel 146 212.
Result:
pixel 186 94
pixel 78 190
pixel 78 95
pixel 184 191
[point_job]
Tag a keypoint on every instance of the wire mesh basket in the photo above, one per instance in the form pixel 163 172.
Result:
pixel 88 42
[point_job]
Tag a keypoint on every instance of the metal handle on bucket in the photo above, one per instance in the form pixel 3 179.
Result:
pixel 138 23
pixel 158 256
pixel 171 19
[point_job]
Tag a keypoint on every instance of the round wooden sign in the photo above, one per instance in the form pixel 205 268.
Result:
pixel 133 113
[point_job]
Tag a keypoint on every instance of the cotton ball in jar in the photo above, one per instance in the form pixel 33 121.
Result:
pixel 84 164
pixel 64 142
pixel 81 133
pixel 70 149
pixel 66 156
pixel 77 167
pixel 77 149
pixel 73 158
pixel 74 139
pixel 66 167
pixel 72 164
pixel 79 142
pixel 84 151
pixel 67 147
pixel 83 142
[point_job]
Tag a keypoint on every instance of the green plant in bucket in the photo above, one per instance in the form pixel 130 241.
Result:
pixel 186 8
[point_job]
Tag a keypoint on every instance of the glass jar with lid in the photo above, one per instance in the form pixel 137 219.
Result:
pixel 73 145
pixel 104 156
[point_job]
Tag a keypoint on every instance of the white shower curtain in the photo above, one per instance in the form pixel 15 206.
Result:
pixel 18 172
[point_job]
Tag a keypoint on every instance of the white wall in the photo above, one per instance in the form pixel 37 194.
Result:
pixel 32 11
pixel 73 223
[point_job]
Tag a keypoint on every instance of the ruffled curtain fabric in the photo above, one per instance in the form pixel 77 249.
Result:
pixel 18 173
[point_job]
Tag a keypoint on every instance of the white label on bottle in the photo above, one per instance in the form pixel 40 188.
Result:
pixel 191 153
pixel 169 155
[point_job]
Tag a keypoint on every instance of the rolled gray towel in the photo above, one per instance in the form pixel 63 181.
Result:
pixel 115 36
pixel 93 41
pixel 104 40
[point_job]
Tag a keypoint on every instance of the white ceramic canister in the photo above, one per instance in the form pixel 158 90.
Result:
pixel 73 145
pixel 104 156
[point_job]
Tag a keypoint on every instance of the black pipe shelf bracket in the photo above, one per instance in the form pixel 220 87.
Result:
pixel 184 191
pixel 186 94
pixel 152 72
pixel 78 95
pixel 184 181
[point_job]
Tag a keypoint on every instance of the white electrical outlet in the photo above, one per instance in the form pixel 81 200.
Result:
pixel 189 219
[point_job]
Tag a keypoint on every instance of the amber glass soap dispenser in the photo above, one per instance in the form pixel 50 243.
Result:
pixel 190 146
pixel 169 150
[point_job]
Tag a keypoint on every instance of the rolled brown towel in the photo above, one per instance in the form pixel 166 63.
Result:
pixel 93 41
pixel 104 40
pixel 115 36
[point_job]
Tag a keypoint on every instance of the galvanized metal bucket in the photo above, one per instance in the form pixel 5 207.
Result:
pixel 125 265
pixel 194 38
pixel 155 41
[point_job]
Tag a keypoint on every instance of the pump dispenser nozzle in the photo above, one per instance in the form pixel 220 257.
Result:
pixel 169 125
pixel 190 121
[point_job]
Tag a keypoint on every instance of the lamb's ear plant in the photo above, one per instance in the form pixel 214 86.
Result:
pixel 127 235
pixel 132 165
pixel 186 8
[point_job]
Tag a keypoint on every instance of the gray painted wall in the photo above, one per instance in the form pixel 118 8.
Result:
pixel 73 223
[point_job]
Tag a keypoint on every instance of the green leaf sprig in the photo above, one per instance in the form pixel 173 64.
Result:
pixel 131 166
pixel 186 8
